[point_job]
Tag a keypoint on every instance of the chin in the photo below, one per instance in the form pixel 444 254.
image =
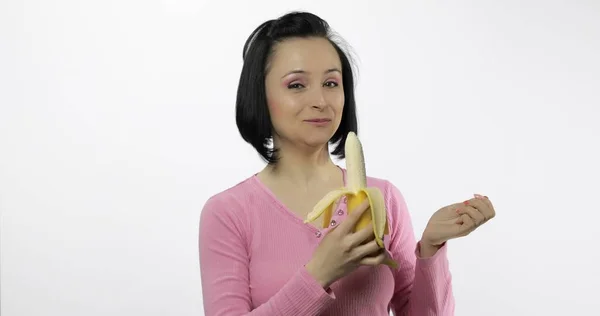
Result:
pixel 318 139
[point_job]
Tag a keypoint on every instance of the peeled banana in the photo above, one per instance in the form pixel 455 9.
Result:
pixel 356 191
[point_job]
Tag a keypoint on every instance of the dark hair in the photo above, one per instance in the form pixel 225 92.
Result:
pixel 252 113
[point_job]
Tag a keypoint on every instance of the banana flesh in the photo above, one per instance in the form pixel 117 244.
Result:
pixel 356 191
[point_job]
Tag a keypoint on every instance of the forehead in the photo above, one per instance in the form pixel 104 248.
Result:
pixel 309 54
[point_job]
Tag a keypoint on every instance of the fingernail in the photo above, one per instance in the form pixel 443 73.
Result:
pixel 466 202
pixel 479 196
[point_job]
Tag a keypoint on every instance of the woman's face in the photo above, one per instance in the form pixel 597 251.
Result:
pixel 304 91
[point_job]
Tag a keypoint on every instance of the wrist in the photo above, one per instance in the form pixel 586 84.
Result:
pixel 321 279
pixel 431 241
pixel 428 249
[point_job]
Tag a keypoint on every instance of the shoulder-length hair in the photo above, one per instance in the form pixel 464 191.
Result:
pixel 252 113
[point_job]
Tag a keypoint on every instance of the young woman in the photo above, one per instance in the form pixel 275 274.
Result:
pixel 257 256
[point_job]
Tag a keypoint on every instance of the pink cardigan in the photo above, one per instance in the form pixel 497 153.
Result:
pixel 253 251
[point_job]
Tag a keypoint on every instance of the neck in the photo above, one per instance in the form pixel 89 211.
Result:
pixel 303 167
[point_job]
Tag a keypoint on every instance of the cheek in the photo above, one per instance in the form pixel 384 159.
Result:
pixel 279 113
pixel 284 108
pixel 275 104
pixel 274 110
pixel 338 103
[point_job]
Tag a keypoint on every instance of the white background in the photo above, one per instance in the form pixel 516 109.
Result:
pixel 117 123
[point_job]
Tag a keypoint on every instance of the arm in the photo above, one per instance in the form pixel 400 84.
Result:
pixel 224 259
pixel 423 280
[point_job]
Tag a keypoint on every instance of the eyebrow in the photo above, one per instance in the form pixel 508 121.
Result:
pixel 300 71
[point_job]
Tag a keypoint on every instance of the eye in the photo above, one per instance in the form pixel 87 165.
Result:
pixel 295 86
pixel 331 84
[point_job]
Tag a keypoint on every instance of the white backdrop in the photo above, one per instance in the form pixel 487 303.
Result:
pixel 117 123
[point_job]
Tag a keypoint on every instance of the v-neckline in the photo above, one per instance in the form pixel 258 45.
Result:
pixel 285 210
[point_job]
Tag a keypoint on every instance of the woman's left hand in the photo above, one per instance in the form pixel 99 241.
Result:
pixel 457 220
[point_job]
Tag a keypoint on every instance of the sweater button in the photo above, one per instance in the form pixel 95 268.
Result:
pixel 340 212
pixel 333 222
pixel 318 234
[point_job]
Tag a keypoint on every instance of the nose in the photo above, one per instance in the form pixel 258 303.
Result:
pixel 319 100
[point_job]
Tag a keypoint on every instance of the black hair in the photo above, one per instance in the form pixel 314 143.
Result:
pixel 252 113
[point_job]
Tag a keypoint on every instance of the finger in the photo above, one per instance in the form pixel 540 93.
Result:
pixel 354 215
pixel 488 211
pixel 491 211
pixel 366 250
pixel 485 200
pixel 473 213
pixel 481 206
pixel 374 260
pixel 467 225
pixel 362 236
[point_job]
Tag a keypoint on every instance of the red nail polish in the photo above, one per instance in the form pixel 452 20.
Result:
pixel 466 202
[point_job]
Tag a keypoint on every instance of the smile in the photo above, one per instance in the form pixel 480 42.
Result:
pixel 318 121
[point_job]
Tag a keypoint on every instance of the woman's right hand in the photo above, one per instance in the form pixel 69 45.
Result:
pixel 342 251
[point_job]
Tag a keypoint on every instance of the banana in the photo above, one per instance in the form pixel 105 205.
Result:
pixel 356 192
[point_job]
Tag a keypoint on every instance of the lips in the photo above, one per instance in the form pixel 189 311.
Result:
pixel 319 120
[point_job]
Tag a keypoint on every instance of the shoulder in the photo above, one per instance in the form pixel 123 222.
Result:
pixel 230 203
pixel 230 195
pixel 390 191
pixel 395 202
pixel 392 194
pixel 224 218
pixel 399 217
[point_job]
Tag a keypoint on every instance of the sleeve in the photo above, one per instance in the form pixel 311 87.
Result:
pixel 423 286
pixel 224 259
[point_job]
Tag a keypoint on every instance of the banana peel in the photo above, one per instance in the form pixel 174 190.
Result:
pixel 356 191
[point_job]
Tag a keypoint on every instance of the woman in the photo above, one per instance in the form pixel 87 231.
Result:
pixel 257 256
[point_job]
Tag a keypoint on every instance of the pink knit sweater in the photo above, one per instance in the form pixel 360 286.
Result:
pixel 253 251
